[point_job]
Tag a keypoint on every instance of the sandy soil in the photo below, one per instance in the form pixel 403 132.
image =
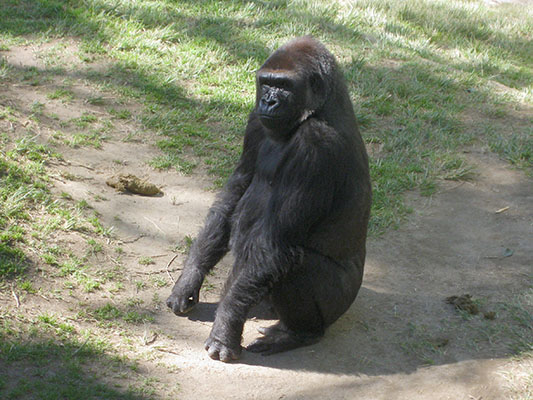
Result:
pixel 399 340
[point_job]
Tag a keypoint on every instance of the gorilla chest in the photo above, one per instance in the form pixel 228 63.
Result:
pixel 253 207
pixel 268 161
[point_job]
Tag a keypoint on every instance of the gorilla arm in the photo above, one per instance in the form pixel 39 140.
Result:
pixel 212 241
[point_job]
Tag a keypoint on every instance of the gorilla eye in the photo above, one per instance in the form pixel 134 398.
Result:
pixel 278 82
pixel 284 84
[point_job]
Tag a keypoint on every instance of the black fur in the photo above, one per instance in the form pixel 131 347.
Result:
pixel 294 212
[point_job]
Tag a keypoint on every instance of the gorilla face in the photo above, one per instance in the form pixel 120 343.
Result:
pixel 285 99
pixel 280 101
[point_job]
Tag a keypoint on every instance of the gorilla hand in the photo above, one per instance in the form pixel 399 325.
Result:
pixel 185 293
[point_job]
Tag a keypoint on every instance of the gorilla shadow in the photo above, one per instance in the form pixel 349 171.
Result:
pixel 205 312
pixel 350 346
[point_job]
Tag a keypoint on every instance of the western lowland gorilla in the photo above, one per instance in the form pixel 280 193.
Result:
pixel 294 212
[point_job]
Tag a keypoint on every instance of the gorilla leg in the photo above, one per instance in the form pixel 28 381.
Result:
pixel 307 301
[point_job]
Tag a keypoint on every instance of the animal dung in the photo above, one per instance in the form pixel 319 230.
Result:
pixel 463 303
pixel 133 184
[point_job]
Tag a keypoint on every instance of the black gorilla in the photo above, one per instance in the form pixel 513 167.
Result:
pixel 294 212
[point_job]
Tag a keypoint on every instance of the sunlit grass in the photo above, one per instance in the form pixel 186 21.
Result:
pixel 415 69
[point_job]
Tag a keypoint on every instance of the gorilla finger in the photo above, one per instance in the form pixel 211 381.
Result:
pixel 169 303
pixel 267 330
pixel 185 306
pixel 213 352
pixel 225 355
pixel 208 343
pixel 173 305
pixel 262 330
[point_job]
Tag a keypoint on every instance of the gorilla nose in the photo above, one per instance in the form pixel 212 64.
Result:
pixel 269 103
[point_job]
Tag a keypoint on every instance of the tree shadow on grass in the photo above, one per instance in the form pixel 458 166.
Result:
pixel 45 366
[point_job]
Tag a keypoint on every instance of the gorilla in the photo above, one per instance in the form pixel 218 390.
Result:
pixel 294 212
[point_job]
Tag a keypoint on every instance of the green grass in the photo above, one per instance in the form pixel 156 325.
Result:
pixel 417 71
pixel 61 94
pixel 22 186
pixel 508 332
pixel 93 139
pixel 517 148
pixel 12 260
pixel 110 312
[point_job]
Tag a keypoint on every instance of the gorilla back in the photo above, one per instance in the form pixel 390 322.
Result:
pixel 294 212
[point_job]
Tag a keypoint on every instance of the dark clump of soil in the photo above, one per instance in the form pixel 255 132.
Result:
pixel 489 315
pixel 133 184
pixel 439 342
pixel 463 303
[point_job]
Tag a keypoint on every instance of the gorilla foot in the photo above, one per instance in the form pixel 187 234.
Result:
pixel 218 351
pixel 277 338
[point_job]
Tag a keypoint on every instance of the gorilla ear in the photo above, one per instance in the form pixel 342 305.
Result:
pixel 317 84
pixel 318 91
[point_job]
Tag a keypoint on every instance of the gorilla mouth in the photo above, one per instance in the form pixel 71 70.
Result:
pixel 272 121
pixel 275 118
pixel 270 117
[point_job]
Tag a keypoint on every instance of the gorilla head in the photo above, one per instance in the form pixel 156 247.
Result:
pixel 292 85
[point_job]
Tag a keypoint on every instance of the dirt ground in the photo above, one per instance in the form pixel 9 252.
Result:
pixel 399 340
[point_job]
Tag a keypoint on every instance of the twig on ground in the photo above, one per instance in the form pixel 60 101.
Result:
pixel 149 220
pixel 148 340
pixel 168 351
pixel 134 240
pixel 168 267
pixel 159 271
pixel 502 210
pixel 71 164
pixel 81 347
pixel 15 296
pixel 57 179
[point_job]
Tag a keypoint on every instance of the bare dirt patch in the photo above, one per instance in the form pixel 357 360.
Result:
pixel 400 339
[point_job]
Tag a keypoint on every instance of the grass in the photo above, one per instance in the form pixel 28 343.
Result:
pixel 60 360
pixel 517 149
pixel 61 94
pixel 417 70
pixel 22 186
pixel 507 331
